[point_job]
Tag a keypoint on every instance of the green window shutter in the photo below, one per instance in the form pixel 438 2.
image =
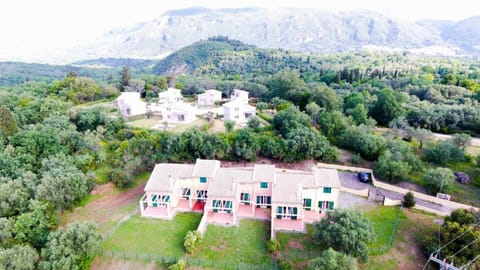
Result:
pixel 294 216
pixel 279 212
pixel 167 198
pixel 215 205
pixel 319 204
pixel 331 206
pixel 247 197
pixel 269 200
pixel 258 199
pixel 263 184
pixel 308 204
pixel 188 192
pixel 327 190
pixel 203 180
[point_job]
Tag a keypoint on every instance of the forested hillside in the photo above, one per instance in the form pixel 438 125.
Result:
pixel 54 139
pixel 440 94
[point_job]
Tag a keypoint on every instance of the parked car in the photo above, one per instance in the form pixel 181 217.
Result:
pixel 363 177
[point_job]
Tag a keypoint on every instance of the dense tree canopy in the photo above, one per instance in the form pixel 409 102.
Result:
pixel 347 231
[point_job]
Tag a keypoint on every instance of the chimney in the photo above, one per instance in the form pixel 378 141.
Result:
pixel 170 179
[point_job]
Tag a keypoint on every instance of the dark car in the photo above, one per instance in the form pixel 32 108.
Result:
pixel 363 177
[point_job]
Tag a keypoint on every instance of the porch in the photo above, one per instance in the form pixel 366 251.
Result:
pixel 284 224
pixel 224 219
pixel 311 216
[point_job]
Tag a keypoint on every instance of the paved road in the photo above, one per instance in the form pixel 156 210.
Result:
pixel 350 180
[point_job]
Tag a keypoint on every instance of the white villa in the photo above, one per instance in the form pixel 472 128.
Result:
pixel 178 112
pixel 288 198
pixel 238 111
pixel 209 97
pixel 240 95
pixel 130 104
pixel 170 96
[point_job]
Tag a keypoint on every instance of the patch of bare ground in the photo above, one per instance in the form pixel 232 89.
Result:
pixel 412 186
pixel 109 263
pixel 345 158
pixel 108 206
pixel 306 165
pixel 294 244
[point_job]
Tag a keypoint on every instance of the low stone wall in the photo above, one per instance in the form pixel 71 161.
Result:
pixel 421 196
pixel 362 193
pixel 202 227
pixel 389 202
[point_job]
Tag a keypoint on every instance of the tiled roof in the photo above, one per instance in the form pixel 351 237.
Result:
pixel 206 168
pixel 286 188
pixel 326 178
pixel 264 173
pixel 226 181
pixel 162 173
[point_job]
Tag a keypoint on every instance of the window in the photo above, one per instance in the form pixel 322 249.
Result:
pixel 327 190
pixel 236 116
pixel 264 201
pixel 203 179
pixel 245 198
pixel 263 184
pixel 222 206
pixel 185 193
pixel 202 195
pixel 236 109
pixel 324 206
pixel 287 212
pixel 154 201
pixel 307 204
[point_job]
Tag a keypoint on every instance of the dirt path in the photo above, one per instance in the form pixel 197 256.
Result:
pixel 109 205
pixel 439 137
pixel 306 165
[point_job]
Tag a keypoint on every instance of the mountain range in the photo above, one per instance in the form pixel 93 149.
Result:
pixel 305 30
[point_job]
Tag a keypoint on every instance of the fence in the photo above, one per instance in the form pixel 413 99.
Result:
pixel 383 249
pixel 450 204
pixel 167 260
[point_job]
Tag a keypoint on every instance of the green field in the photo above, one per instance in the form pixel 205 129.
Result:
pixel 153 236
pixel 245 243
pixel 383 221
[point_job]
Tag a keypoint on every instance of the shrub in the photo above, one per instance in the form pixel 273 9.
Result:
pixel 119 178
pixel 285 265
pixel 439 180
pixel 180 265
pixel 273 245
pixel 192 240
pixel 332 260
pixel 409 200
pixel 355 159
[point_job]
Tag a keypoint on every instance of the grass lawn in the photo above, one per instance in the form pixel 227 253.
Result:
pixel 383 220
pixel 153 236
pixel 298 247
pixel 145 122
pixel 245 243
pixel 405 252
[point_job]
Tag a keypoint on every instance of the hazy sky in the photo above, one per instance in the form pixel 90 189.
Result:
pixel 29 27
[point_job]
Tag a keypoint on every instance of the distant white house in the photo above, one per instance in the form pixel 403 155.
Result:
pixel 239 95
pixel 170 96
pixel 130 104
pixel 178 112
pixel 238 111
pixel 209 97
